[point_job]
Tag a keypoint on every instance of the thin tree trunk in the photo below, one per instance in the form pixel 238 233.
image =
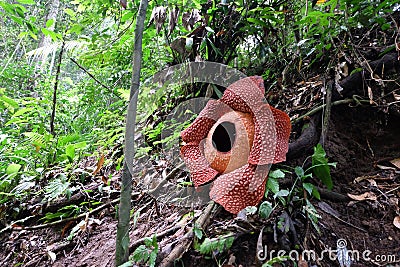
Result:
pixel 53 112
pixel 122 239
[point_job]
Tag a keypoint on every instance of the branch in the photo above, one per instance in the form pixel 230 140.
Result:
pixel 88 73
pixel 45 225
pixel 187 239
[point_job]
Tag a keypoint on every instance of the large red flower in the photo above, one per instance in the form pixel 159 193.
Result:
pixel 233 142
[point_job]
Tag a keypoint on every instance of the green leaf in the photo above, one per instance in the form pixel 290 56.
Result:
pixel 70 151
pixel 258 22
pixel 277 174
pixel 141 254
pixel 282 193
pixel 8 103
pixel 220 244
pixel 197 232
pixel 82 144
pixel 70 12
pixel 273 185
pixel 299 171
pixel 22 111
pixel 355 71
pixel 49 23
pixel 308 187
pixel 316 194
pixel 148 242
pixel 385 26
pixel 13 168
pixel 26 2
pixel 127 16
pixel 76 28
pixel 265 209
pixel 320 166
pixel 52 34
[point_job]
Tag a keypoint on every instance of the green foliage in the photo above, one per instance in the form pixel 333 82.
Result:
pixel 320 166
pixel 198 232
pixel 265 209
pixel 312 213
pixel 302 185
pixel 57 187
pixel 218 244
pixel 146 253
pixel 62 213
pixel 276 260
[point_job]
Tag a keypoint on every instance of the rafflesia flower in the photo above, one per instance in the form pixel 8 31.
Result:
pixel 233 142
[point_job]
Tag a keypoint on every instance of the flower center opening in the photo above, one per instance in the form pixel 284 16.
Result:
pixel 223 137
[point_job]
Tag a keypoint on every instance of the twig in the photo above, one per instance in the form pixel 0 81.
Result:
pixel 10 226
pixel 339 102
pixel 94 78
pixel 45 225
pixel 16 222
pixel 160 235
pixel 91 75
pixel 343 221
pixel 327 114
pixel 168 177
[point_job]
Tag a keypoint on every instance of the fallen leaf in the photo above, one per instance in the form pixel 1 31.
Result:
pixel 365 196
pixel 328 209
pixel 396 162
pixel 385 167
pixel 99 164
pixel 396 221
pixel 66 228
pixel 52 256
pixel 370 95
pixel 372 182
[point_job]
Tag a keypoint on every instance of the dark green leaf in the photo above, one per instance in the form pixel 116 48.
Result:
pixel 273 185
pixel 320 166
pixel 265 209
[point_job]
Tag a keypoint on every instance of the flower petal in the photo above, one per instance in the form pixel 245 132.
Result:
pixel 243 187
pixel 244 95
pixel 199 168
pixel 199 129
pixel 264 144
pixel 283 127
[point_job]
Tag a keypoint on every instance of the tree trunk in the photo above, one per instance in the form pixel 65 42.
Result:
pixel 46 40
pixel 122 239
pixel 54 106
pixel 53 12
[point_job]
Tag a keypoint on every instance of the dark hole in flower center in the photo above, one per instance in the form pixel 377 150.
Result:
pixel 223 137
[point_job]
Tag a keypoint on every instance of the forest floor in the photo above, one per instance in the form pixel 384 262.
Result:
pixel 362 140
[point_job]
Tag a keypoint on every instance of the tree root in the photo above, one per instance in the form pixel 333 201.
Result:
pixel 185 242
